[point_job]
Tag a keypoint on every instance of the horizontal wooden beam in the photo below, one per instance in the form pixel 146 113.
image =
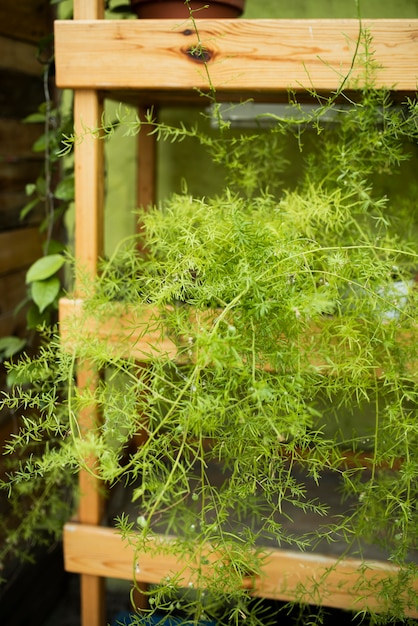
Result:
pixel 132 333
pixel 13 292
pixel 19 55
pixel 341 583
pixel 19 248
pixel 138 332
pixel 25 21
pixel 246 57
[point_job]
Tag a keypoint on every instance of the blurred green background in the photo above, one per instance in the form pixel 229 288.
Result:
pixel 330 8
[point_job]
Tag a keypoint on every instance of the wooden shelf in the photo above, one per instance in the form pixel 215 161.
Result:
pixel 137 332
pixel 246 58
pixel 101 551
pixel 129 330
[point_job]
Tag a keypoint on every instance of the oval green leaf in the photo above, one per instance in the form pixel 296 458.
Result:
pixel 45 267
pixel 44 292
pixel 35 118
pixel 10 345
pixel 65 189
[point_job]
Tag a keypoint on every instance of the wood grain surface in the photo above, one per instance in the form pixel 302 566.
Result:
pixel 346 583
pixel 245 56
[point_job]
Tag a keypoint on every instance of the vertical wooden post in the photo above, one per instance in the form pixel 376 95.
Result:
pixel 90 508
pixel 89 236
pixel 88 154
pixel 88 9
pixel 146 177
pixel 145 196
pixel 88 248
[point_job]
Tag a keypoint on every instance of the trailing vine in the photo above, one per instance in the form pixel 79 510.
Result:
pixel 53 190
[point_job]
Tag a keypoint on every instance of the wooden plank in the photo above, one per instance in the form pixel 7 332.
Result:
pixel 18 167
pixel 88 169
pixel 11 203
pixel 91 504
pixel 101 551
pixel 93 603
pixel 17 139
pixel 88 9
pixel 19 55
pixel 146 168
pixel 12 293
pixel 137 332
pixel 15 174
pixel 23 93
pixel 246 56
pixel 89 238
pixel 25 20
pixel 129 332
pixel 19 248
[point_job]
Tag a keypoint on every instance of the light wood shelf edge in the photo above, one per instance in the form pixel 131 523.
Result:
pixel 101 551
pixel 127 330
pixel 137 333
pixel 245 56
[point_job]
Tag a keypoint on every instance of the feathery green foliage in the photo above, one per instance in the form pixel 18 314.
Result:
pixel 287 308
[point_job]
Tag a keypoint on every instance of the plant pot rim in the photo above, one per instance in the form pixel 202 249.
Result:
pixel 177 8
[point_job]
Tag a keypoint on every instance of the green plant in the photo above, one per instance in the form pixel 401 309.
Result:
pixel 33 514
pixel 283 308
pixel 53 190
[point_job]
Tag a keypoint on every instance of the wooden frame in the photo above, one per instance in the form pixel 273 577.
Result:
pixel 344 583
pixel 256 58
pixel 151 62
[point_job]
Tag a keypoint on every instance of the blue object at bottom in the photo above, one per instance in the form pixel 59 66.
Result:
pixel 127 619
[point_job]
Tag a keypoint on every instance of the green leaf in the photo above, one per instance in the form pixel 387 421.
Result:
pixel 28 208
pixel 45 292
pixel 11 379
pixel 35 319
pixel 35 118
pixel 40 144
pixel 44 268
pixel 54 247
pixel 41 186
pixel 65 189
pixel 30 188
pixel 10 345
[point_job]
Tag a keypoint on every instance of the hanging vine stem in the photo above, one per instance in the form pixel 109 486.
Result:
pixel 49 120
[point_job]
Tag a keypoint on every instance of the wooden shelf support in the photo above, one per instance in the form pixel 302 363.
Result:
pixel 345 582
pixel 254 58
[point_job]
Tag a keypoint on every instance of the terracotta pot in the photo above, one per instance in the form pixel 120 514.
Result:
pixel 150 9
